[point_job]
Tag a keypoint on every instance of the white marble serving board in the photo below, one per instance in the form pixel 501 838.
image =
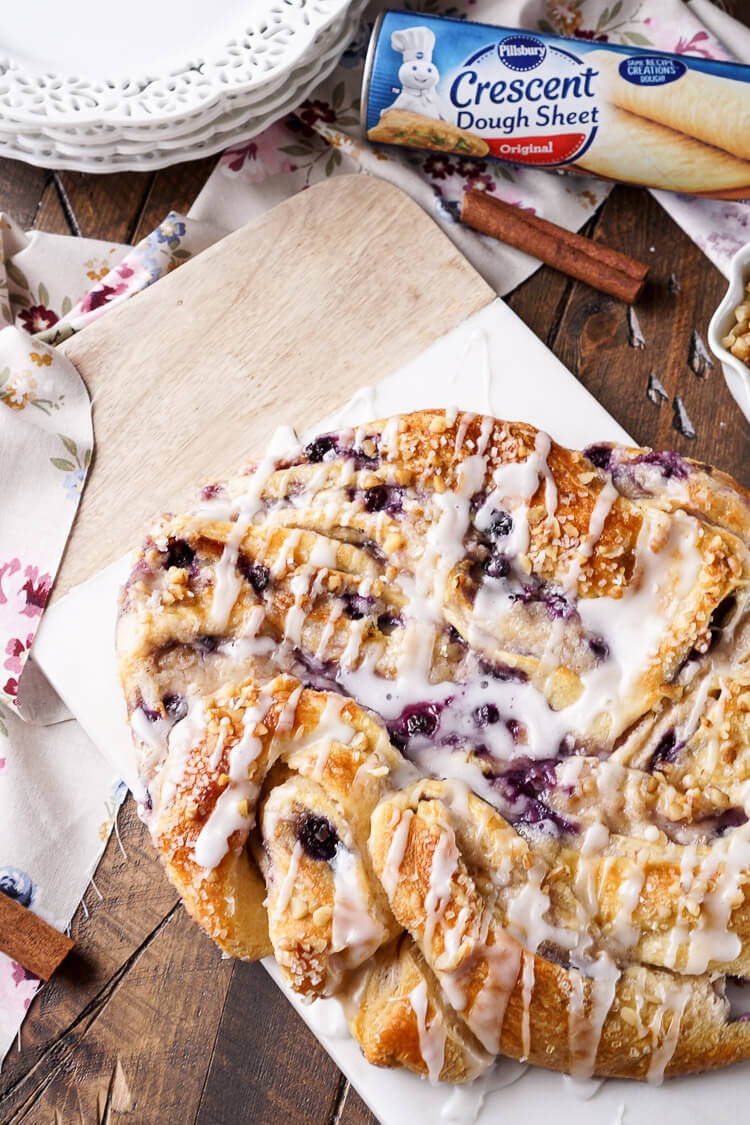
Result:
pixel 492 363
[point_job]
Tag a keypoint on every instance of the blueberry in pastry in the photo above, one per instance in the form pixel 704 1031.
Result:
pixel 456 722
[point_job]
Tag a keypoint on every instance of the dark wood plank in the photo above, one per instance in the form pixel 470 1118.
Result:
pixel 736 8
pixel 132 1015
pixel 146 1050
pixel 106 206
pixel 119 207
pixel 598 337
pixel 21 189
pixel 172 189
pixel 353 1110
pixel 542 299
pixel 51 215
pixel 108 933
pixel 266 1060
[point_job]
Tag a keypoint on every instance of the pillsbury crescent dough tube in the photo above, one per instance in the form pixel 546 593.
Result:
pixel 622 113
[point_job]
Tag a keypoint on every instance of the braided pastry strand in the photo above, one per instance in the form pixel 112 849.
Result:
pixel 455 722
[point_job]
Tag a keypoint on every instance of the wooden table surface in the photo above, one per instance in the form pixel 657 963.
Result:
pixel 145 1023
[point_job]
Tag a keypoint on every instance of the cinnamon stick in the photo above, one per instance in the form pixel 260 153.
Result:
pixel 599 266
pixel 29 940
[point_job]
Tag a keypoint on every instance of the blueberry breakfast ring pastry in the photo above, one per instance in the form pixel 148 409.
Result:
pixel 455 722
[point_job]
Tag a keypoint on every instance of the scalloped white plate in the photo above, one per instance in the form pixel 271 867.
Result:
pixel 107 146
pixel 148 60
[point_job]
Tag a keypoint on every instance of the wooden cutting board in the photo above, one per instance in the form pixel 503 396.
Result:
pixel 280 322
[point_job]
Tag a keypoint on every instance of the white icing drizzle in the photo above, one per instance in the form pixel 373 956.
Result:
pixel 583 1089
pixel 328 631
pixel 635 625
pixel 328 1018
pixel 181 739
pixel 233 810
pixel 629 893
pixel 330 728
pixel 479 342
pixel 297 614
pixel 287 716
pixel 454 935
pixel 395 856
pixel 526 918
pixel 463 426
pixel 688 728
pixel 283 561
pixel 710 940
pixel 569 582
pixel 443 867
pixel 464 1104
pixel 218 750
pixel 527 981
pixel 227 578
pixel 153 734
pixel 389 439
pixel 515 484
pixel 286 888
pixel 664 1039
pixel 584 1032
pixel 602 507
pixel 485 433
pixel 432 1036
pixel 487 1013
pixel 354 930
pixel 444 541
pixel 596 836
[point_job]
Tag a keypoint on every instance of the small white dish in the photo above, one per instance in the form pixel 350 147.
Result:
pixel 736 373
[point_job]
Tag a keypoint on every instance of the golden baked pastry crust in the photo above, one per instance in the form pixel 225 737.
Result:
pixel 455 721
pixel 402 127
pixel 638 150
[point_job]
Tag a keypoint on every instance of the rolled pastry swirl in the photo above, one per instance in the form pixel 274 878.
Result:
pixel 455 721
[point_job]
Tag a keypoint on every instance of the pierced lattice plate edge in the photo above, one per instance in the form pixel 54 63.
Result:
pixel 270 47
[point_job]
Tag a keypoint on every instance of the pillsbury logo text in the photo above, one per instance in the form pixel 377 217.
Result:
pixel 521 52
pixel 544 113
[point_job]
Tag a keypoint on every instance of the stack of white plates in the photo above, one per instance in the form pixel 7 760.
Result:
pixel 148 83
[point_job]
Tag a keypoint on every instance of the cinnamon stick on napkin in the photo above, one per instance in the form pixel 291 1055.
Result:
pixel 29 940
pixel 573 254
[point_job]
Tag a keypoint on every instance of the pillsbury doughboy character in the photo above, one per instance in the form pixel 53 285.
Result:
pixel 418 74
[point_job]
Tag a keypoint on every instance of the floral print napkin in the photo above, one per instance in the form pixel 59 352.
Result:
pixel 54 784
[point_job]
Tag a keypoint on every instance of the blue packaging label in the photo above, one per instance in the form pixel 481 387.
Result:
pixel 652 70
pixel 544 100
